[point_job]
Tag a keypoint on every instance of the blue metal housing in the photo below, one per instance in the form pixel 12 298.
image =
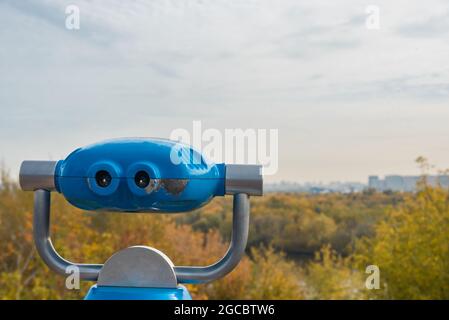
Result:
pixel 127 293
pixel 180 178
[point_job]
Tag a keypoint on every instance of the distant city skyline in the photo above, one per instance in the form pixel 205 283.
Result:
pixel 388 183
pixel 348 101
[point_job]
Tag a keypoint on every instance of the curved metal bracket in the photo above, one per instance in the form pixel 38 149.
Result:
pixel 45 248
pixel 240 226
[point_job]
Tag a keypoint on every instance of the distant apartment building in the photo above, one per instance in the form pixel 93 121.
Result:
pixel 404 183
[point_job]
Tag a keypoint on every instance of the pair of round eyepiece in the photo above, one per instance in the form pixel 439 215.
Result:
pixel 103 179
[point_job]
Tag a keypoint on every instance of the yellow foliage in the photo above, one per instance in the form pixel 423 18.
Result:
pixel 406 236
pixel 273 276
pixel 330 277
pixel 411 248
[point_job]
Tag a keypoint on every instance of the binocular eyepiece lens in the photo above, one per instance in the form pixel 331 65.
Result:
pixel 142 179
pixel 103 178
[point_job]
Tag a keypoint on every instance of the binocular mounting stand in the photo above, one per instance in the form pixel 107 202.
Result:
pixel 140 272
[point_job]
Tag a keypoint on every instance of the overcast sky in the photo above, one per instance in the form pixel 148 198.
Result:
pixel 348 101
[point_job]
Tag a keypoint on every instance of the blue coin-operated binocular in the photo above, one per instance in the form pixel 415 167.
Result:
pixel 140 175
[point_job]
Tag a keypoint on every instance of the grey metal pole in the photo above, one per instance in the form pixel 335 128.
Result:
pixel 44 246
pixel 239 238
